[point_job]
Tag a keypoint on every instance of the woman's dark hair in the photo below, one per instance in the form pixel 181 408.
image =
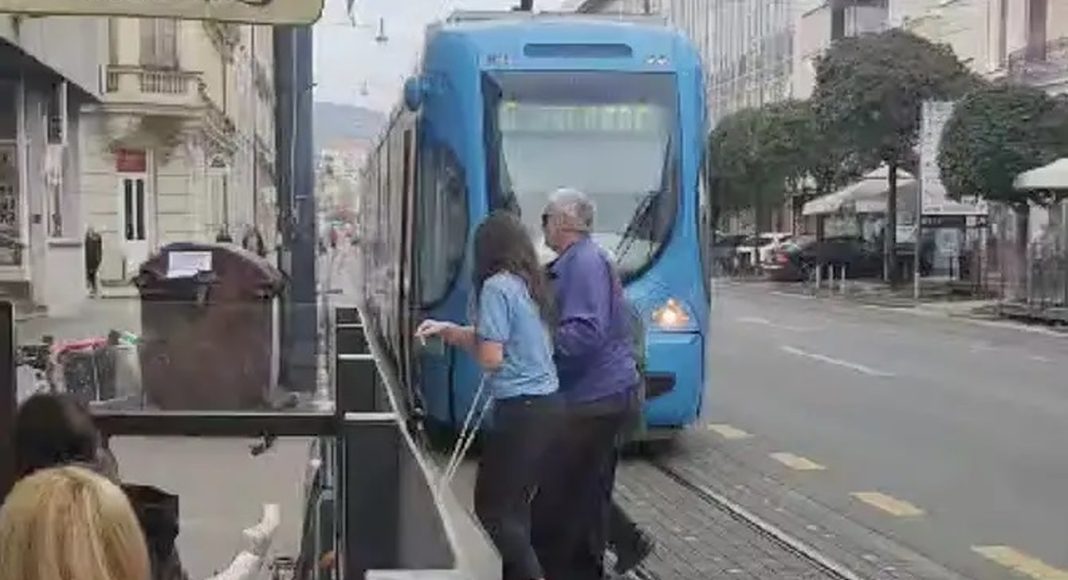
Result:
pixel 52 430
pixel 503 245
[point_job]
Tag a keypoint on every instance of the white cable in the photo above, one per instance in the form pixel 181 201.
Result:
pixel 467 435
pixel 469 440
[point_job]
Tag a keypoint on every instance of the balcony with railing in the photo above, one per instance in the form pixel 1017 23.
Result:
pixel 135 85
pixel 1042 65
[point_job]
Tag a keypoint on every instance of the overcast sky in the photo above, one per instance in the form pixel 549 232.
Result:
pixel 346 58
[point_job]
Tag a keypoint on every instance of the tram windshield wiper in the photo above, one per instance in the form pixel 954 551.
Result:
pixel 638 222
pixel 647 209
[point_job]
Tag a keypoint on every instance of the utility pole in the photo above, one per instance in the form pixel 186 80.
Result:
pixel 293 59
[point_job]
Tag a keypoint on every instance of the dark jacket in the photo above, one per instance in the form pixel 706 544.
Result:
pixel 94 250
pixel 157 511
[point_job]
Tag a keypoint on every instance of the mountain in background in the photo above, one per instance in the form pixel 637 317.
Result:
pixel 336 122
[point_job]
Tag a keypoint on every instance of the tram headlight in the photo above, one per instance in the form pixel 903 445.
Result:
pixel 671 316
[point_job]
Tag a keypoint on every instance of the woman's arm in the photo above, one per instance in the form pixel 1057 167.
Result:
pixel 461 336
pixel 488 353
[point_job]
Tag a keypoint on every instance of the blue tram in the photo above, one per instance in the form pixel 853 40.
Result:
pixel 505 108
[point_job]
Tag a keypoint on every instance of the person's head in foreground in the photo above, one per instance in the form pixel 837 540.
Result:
pixel 568 217
pixel 68 523
pixel 55 429
pixel 502 244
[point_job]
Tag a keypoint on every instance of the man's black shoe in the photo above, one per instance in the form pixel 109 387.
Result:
pixel 628 559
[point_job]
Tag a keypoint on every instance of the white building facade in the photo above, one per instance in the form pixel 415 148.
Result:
pixel 181 146
pixel 49 69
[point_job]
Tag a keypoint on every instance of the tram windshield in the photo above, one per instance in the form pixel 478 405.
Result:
pixel 607 134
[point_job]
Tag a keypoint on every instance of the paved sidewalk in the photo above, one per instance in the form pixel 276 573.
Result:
pixel 95 318
pixel 697 539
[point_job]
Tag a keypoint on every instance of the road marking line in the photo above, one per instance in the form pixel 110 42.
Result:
pixel 836 362
pixel 1040 358
pixel 797 462
pixel 890 505
pixel 765 322
pixel 728 432
pixel 792 295
pixel 1024 564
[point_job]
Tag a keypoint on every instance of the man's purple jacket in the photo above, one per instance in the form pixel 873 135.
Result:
pixel 594 358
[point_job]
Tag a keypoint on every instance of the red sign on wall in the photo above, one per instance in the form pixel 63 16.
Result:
pixel 130 161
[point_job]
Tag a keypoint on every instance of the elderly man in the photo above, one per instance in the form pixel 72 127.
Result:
pixel 598 379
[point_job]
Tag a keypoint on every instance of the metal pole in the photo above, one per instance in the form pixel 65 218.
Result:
pixel 296 204
pixel 8 397
pixel 916 246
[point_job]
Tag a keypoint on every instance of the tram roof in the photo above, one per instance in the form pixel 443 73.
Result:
pixel 492 27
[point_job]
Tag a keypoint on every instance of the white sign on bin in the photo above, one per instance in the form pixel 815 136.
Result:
pixel 188 264
pixel 276 12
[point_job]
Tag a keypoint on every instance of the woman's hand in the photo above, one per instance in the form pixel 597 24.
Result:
pixel 430 328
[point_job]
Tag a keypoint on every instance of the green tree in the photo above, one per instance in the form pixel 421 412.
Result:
pixel 995 134
pixel 742 173
pixel 757 155
pixel 869 93
pixel 814 160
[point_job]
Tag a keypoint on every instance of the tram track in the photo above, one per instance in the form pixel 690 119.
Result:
pixel 763 528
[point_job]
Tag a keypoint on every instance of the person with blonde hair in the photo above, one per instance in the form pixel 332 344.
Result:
pixel 68 523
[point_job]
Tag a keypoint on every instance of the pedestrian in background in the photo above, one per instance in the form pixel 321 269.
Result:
pixel 511 339
pixel 94 253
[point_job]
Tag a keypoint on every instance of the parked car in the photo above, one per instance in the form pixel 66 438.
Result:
pixel 757 249
pixel 796 260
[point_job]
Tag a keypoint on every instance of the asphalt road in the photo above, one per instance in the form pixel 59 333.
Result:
pixel 946 435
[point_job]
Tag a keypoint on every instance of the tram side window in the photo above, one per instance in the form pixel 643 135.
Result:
pixel 443 223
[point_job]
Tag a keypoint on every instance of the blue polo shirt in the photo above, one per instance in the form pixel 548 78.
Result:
pixel 506 314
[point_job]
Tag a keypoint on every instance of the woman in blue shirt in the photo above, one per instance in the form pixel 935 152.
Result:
pixel 512 342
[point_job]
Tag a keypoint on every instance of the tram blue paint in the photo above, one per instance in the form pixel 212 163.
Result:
pixel 450 91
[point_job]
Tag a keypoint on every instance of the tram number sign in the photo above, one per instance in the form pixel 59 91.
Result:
pixel 293 12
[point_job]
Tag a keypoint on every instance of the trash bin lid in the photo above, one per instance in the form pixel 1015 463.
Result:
pixel 239 272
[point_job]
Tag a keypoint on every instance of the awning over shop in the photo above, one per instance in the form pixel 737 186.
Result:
pixel 865 196
pixel 1052 176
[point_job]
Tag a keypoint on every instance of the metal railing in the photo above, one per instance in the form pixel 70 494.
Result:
pixel 371 499
pixel 157 86
pixel 1047 282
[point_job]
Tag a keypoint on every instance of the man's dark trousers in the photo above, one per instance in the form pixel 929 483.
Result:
pixel 570 510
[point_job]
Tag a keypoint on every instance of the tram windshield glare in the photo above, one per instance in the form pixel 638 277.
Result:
pixel 607 134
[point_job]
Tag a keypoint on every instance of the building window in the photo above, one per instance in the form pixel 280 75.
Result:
pixel 1037 13
pixel 1003 31
pixel 114 32
pixel 133 197
pixel 838 21
pixel 442 224
pixel 159 43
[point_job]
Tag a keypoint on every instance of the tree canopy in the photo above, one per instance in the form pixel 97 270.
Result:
pixel 744 171
pixel 995 134
pixel 870 90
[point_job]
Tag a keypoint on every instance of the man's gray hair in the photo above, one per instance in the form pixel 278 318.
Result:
pixel 574 206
